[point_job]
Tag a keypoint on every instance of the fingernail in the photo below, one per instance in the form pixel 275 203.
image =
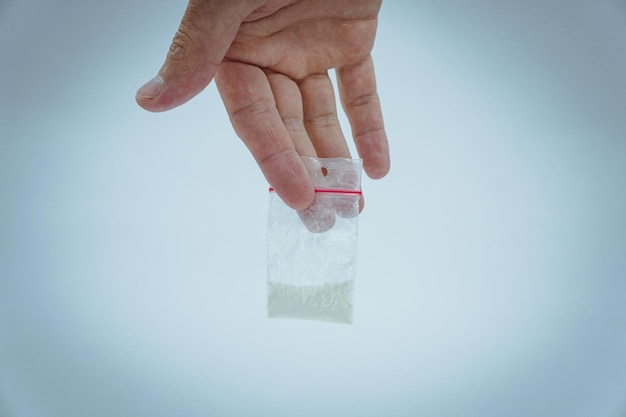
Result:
pixel 151 89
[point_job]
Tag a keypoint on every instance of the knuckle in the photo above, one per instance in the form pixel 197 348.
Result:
pixel 293 124
pixel 364 100
pixel 181 43
pixel 251 111
pixel 323 121
pixel 372 136
pixel 279 159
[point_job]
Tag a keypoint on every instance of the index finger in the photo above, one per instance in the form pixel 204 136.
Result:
pixel 250 104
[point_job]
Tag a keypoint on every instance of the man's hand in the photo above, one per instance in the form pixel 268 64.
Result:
pixel 270 60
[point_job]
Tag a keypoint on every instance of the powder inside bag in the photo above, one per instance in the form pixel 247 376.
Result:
pixel 326 302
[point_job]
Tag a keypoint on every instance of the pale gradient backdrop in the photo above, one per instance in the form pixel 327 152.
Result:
pixel 491 262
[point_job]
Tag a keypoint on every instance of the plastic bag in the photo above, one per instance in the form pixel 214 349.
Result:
pixel 311 254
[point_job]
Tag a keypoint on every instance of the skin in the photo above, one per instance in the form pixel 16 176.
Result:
pixel 270 61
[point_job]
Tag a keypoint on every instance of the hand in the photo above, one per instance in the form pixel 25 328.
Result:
pixel 270 60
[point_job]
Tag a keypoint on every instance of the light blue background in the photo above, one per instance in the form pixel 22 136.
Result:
pixel 492 260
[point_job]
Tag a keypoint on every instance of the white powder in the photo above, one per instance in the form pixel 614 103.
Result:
pixel 327 302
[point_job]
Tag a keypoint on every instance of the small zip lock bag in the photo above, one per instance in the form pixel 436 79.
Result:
pixel 311 254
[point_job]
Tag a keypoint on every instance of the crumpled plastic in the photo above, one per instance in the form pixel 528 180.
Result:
pixel 311 254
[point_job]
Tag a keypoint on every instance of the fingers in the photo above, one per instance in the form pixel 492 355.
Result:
pixel 320 117
pixel 357 89
pixel 206 31
pixel 319 217
pixel 309 113
pixel 321 121
pixel 249 101
pixel 289 106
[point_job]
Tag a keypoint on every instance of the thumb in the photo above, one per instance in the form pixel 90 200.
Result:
pixel 206 31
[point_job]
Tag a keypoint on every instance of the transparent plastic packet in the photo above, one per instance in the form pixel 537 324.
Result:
pixel 311 254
